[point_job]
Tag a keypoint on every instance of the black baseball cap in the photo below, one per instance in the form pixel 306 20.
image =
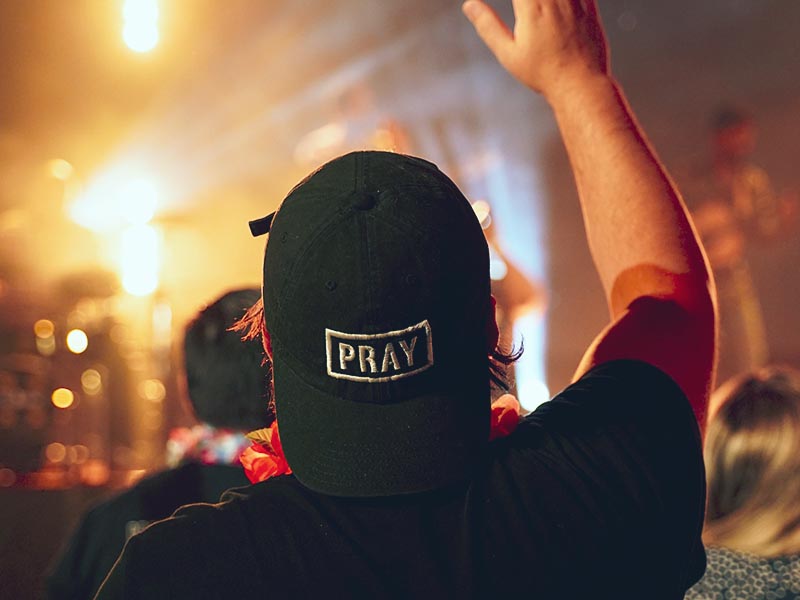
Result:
pixel 376 297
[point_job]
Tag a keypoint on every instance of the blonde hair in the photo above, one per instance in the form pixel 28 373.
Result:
pixel 752 455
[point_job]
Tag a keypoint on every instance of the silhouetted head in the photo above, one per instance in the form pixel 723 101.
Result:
pixel 227 378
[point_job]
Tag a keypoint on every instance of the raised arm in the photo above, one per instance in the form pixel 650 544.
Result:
pixel 654 272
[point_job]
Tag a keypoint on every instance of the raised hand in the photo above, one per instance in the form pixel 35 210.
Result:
pixel 553 44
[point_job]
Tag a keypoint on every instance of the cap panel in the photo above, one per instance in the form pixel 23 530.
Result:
pixel 376 297
pixel 348 449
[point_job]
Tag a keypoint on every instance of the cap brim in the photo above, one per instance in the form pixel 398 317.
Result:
pixel 358 449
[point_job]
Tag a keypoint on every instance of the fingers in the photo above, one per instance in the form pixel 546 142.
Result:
pixel 491 29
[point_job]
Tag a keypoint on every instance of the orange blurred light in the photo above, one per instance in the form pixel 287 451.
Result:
pixel 43 328
pixel 91 382
pixel 77 341
pixel 46 346
pixel 7 477
pixel 62 398
pixel 78 454
pixel 95 472
pixel 55 452
pixel 152 390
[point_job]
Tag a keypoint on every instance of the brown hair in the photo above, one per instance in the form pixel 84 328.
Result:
pixel 752 455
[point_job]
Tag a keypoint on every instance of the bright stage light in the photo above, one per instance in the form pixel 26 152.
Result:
pixel 140 29
pixel 77 341
pixel 114 199
pixel 137 200
pixel 139 260
pixel 140 38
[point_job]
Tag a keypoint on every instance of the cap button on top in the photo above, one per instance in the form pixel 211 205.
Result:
pixel 364 201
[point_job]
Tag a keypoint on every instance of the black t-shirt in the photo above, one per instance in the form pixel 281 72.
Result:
pixel 102 532
pixel 597 494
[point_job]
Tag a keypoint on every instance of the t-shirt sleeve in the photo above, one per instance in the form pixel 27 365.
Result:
pixel 69 577
pixel 619 451
pixel 201 551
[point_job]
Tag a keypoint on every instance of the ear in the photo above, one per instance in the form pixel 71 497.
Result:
pixel 492 331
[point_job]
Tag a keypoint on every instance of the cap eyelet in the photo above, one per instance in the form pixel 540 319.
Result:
pixel 330 285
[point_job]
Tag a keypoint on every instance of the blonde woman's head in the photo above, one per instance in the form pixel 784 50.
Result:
pixel 752 455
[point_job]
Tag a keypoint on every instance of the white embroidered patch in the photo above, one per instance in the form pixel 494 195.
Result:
pixel 377 357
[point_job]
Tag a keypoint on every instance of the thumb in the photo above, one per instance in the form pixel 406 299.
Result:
pixel 491 29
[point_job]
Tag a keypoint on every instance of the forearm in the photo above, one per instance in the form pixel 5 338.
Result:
pixel 639 233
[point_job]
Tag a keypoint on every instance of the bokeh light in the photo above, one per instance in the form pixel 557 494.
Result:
pixel 153 390
pixel 78 454
pixel 46 346
pixel 7 477
pixel 55 452
pixel 62 398
pixel 43 328
pixel 91 382
pixel 77 341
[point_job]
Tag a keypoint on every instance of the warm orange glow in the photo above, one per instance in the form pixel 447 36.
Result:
pixel 55 452
pixel 77 341
pixel 118 196
pixel 95 472
pixel 62 398
pixel 44 328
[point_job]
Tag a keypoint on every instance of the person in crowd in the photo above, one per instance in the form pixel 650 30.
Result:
pixel 227 386
pixel 753 470
pixel 734 205
pixel 379 322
